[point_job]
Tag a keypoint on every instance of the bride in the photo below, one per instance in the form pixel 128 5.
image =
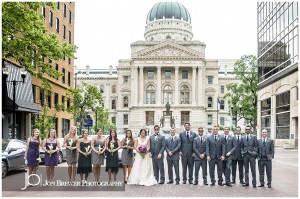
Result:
pixel 142 170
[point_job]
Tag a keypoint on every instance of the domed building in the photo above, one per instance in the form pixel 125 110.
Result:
pixel 167 67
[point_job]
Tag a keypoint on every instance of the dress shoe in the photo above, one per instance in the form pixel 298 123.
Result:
pixel 228 184
pixel 190 182
pixel 177 183
pixel 242 182
pixel 254 186
pixel 245 185
pixel 205 183
pixel 212 184
pixel 170 182
pixel 233 182
pixel 161 182
pixel 195 183
pixel 184 182
pixel 261 185
pixel 220 184
pixel 269 186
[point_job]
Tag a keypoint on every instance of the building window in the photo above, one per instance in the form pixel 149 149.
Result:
pixel 113 120
pixel 44 12
pixel 41 96
pixel 222 121
pixel 209 119
pixel 65 127
pixel 149 118
pixel 49 99
pixel 63 101
pixel 283 115
pixel 56 68
pixel 222 89
pixel 113 88
pixel 210 79
pixel 168 94
pixel 63 75
pixel 150 95
pixel 56 100
pixel 34 92
pixel 168 74
pixel 69 60
pixel 70 37
pixel 184 95
pixel 125 79
pixel 266 114
pixel 64 31
pixel 50 18
pixel 185 74
pixel 150 74
pixel 185 117
pixel 209 102
pixel 125 119
pixel 101 88
pixel 125 101
pixel 113 104
pixel 70 16
pixel 69 78
pixel 65 10
pixel 57 5
pixel 57 24
pixel 222 105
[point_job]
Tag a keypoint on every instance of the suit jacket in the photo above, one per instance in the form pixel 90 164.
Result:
pixel 199 148
pixel 215 148
pixel 173 147
pixel 187 145
pixel 230 146
pixel 269 148
pixel 157 146
pixel 237 155
pixel 249 146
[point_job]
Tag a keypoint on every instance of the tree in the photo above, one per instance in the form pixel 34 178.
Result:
pixel 26 40
pixel 242 97
pixel 103 120
pixel 84 99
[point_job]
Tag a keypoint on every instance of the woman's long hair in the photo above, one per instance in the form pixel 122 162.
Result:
pixel 110 137
pixel 50 131
pixel 70 131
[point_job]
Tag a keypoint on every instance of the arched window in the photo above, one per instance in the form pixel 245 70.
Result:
pixel 222 121
pixel 168 37
pixel 184 95
pixel 209 102
pixel 168 94
pixel 125 101
pixel 150 95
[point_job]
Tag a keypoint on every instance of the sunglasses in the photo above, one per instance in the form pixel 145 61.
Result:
pixel 248 129
pixel 156 129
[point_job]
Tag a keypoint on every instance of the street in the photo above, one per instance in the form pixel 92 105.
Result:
pixel 284 184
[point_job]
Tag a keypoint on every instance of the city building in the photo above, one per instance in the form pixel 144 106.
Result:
pixel 278 57
pixel 167 67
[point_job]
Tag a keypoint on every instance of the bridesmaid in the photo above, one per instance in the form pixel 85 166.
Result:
pixel 32 153
pixel 84 159
pixel 97 154
pixel 70 142
pixel 51 146
pixel 112 144
pixel 127 153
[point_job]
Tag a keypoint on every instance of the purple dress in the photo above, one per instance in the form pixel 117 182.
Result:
pixel 53 160
pixel 33 153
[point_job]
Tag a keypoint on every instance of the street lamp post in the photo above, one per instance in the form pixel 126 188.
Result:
pixel 15 83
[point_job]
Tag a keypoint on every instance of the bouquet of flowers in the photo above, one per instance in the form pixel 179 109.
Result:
pixel 143 150
pixel 100 148
pixel 51 148
pixel 87 150
pixel 112 146
pixel 127 142
pixel 70 143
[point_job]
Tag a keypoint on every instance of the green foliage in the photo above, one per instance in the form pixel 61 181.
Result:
pixel 103 120
pixel 243 96
pixel 26 40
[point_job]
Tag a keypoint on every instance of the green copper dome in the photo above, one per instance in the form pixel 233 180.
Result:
pixel 168 10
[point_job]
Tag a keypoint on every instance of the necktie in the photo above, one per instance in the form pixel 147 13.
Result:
pixel 225 138
pixel 215 138
pixel 264 142
pixel 172 139
pixel 187 135
pixel 238 139
pixel 201 139
pixel 247 138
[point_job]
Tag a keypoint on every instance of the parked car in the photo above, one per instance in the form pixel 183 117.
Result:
pixel 13 152
pixel 61 153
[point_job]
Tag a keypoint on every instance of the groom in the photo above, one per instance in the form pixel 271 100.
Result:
pixel 157 147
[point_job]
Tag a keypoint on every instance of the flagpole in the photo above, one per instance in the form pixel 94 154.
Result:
pixel 217 111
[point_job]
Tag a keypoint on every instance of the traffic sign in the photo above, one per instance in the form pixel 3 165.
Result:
pixel 88 122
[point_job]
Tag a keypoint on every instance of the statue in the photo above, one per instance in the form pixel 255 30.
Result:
pixel 168 108
pixel 161 121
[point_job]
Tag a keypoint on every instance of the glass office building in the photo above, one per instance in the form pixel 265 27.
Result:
pixel 278 55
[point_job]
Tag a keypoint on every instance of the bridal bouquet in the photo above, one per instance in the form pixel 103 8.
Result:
pixel 143 150
pixel 51 148
pixel 87 150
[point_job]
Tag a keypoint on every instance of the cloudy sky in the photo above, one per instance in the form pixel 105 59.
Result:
pixel 104 30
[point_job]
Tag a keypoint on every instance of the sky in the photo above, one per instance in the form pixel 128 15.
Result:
pixel 104 30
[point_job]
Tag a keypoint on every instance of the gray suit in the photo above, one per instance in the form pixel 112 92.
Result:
pixel 200 148
pixel 174 147
pixel 249 153
pixel 187 159
pixel 265 156
pixel 157 146
pixel 229 147
pixel 237 159
pixel 215 149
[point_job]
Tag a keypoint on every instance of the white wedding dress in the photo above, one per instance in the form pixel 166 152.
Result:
pixel 142 170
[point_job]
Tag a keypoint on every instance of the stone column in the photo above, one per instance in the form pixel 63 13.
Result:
pixel 158 85
pixel 107 95
pixel 176 85
pixel 200 86
pixel 134 83
pixel 194 86
pixel 141 85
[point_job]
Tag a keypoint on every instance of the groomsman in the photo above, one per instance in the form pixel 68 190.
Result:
pixel 157 147
pixel 237 157
pixel 265 156
pixel 215 152
pixel 187 159
pixel 173 144
pixel 229 151
pixel 249 153
pixel 199 147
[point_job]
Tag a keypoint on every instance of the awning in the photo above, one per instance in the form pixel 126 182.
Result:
pixel 24 94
